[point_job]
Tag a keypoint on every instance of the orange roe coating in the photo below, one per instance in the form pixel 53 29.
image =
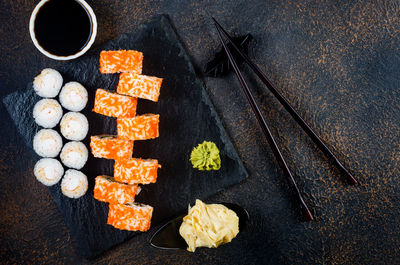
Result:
pixel 111 147
pixel 108 190
pixel 141 86
pixel 114 105
pixel 132 217
pixel 134 170
pixel 121 61
pixel 138 128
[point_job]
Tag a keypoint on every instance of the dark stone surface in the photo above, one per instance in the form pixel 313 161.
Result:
pixel 337 62
pixel 186 118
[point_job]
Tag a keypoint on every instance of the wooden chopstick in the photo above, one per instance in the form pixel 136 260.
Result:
pixel 316 139
pixel 306 212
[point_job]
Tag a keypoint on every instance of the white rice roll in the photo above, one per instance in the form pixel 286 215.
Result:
pixel 74 184
pixel 73 96
pixel 74 155
pixel 48 83
pixel 48 171
pixel 47 112
pixel 47 143
pixel 74 126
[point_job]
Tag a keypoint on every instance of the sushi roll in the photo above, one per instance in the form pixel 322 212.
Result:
pixel 121 61
pixel 48 83
pixel 47 143
pixel 47 112
pixel 74 126
pixel 48 171
pixel 138 128
pixel 106 189
pixel 112 104
pixel 74 184
pixel 110 147
pixel 134 170
pixel 141 86
pixel 130 216
pixel 74 155
pixel 73 96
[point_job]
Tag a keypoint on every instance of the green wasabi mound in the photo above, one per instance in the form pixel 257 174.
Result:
pixel 205 156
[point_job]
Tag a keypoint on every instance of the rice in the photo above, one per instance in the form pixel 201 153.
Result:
pixel 112 104
pixel 74 184
pixel 74 126
pixel 74 155
pixel 141 127
pixel 121 61
pixel 106 189
pixel 73 96
pixel 110 147
pixel 141 86
pixel 47 143
pixel 130 216
pixel 48 83
pixel 47 112
pixel 134 170
pixel 48 171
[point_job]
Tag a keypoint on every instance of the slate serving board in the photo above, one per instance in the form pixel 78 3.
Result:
pixel 187 117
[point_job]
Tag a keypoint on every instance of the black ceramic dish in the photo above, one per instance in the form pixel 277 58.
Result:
pixel 168 237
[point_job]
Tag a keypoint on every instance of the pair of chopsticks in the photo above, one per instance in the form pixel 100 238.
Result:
pixel 281 161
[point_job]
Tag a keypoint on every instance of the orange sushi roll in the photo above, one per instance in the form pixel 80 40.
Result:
pixel 106 189
pixel 130 216
pixel 121 61
pixel 112 104
pixel 138 128
pixel 141 86
pixel 134 170
pixel 111 147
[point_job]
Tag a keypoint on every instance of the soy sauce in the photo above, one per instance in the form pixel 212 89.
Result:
pixel 63 27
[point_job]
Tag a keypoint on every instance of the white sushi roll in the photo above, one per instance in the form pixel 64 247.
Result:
pixel 74 184
pixel 47 112
pixel 48 171
pixel 74 155
pixel 73 96
pixel 74 126
pixel 47 143
pixel 48 83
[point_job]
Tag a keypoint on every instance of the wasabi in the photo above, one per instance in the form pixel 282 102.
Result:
pixel 206 156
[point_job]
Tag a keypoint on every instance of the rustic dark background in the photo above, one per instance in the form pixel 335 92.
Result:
pixel 337 62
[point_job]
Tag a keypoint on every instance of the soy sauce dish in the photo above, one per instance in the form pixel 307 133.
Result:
pixel 63 29
pixel 206 225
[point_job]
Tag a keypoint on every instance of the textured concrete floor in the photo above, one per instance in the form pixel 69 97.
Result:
pixel 337 62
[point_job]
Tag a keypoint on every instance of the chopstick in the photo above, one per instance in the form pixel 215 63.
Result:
pixel 315 138
pixel 281 161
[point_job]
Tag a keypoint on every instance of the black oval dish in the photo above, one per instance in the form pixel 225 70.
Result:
pixel 168 237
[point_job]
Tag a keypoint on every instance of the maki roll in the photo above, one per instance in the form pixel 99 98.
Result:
pixel 73 96
pixel 74 155
pixel 106 189
pixel 136 170
pixel 48 171
pixel 48 83
pixel 121 61
pixel 130 216
pixel 74 126
pixel 74 184
pixel 111 147
pixel 138 128
pixel 111 104
pixel 141 86
pixel 47 143
pixel 47 112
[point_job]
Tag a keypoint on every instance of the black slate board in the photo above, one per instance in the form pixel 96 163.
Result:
pixel 187 117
